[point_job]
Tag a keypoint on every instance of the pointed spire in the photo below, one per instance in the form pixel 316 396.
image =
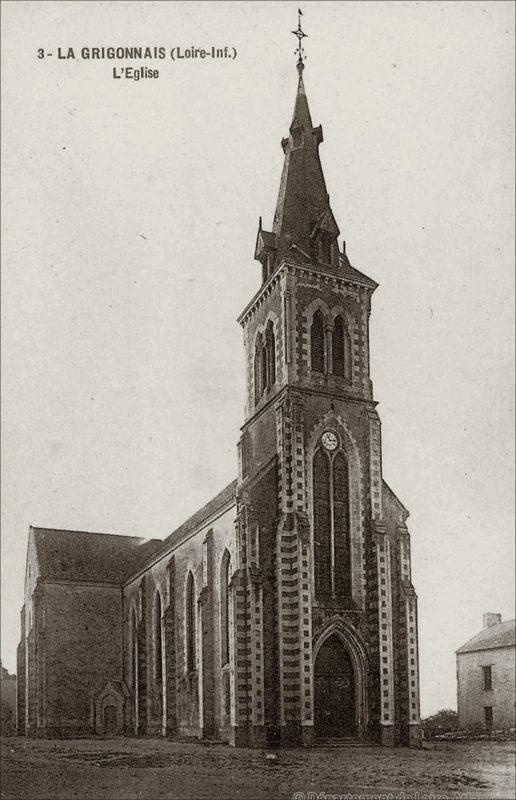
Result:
pixel 303 201
pixel 301 110
pixel 304 227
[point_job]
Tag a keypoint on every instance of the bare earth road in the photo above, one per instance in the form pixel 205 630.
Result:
pixel 122 769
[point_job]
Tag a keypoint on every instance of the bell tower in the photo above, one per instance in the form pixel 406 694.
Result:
pixel 324 609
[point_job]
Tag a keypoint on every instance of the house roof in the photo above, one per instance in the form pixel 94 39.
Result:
pixel 85 556
pixel 502 634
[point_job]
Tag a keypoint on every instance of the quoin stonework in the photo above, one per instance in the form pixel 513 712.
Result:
pixel 282 611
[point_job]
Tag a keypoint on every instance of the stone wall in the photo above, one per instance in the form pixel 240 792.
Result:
pixel 82 634
pixel 187 703
pixel 472 698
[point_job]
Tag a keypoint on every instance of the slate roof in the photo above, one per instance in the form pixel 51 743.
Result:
pixel 220 500
pixel 85 556
pixel 303 204
pixel 109 558
pixel 503 634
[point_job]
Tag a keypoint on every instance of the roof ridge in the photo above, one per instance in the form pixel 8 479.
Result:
pixel 497 635
pixel 204 512
pixel 37 529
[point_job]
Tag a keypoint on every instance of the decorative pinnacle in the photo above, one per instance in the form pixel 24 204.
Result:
pixel 299 51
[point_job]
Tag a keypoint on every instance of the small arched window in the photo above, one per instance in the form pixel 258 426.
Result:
pixel 158 643
pixel 317 342
pixel 190 623
pixel 225 576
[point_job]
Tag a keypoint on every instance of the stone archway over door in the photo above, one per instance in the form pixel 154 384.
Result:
pixel 335 690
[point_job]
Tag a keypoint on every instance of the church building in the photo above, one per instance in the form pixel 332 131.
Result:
pixel 283 611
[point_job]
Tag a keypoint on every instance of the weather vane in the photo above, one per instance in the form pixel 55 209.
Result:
pixel 299 51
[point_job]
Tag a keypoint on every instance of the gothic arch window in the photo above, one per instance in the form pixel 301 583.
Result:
pixel 317 342
pixel 190 623
pixel 338 347
pixel 258 357
pixel 332 548
pixel 341 349
pixel 270 346
pixel 134 650
pixel 134 668
pixel 264 362
pixel 341 525
pixel 322 522
pixel 225 577
pixel 158 641
pixel 263 370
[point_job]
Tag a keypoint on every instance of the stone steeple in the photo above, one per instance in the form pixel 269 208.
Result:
pixel 304 227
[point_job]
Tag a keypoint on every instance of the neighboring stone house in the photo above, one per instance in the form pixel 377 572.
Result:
pixel 7 702
pixel 486 677
pixel 283 610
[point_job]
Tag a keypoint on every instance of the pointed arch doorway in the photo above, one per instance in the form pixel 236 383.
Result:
pixel 335 695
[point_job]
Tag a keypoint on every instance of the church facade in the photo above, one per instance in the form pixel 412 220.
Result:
pixel 283 611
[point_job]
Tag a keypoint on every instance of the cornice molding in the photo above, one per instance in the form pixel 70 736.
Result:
pixel 313 271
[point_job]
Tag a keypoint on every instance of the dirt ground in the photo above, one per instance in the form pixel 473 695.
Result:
pixel 123 769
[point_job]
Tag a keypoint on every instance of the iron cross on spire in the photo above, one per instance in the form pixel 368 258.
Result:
pixel 300 36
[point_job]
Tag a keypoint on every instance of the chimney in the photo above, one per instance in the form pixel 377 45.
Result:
pixel 491 619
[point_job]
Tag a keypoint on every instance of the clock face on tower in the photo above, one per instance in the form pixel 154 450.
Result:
pixel 329 440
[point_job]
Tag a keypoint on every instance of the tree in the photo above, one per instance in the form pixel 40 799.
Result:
pixel 445 721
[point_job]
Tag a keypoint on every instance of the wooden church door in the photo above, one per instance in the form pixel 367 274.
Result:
pixel 335 714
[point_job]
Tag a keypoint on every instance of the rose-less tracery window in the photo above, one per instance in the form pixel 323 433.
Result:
pixel 332 551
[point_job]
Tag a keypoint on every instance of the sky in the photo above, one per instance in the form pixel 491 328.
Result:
pixel 130 211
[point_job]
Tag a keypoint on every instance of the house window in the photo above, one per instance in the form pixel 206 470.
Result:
pixel 317 342
pixel 487 678
pixel 332 551
pixel 190 623
pixel 225 577
pixel 488 716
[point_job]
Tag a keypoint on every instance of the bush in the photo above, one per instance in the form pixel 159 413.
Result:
pixel 445 721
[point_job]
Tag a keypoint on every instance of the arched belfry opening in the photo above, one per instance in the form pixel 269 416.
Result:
pixel 335 693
